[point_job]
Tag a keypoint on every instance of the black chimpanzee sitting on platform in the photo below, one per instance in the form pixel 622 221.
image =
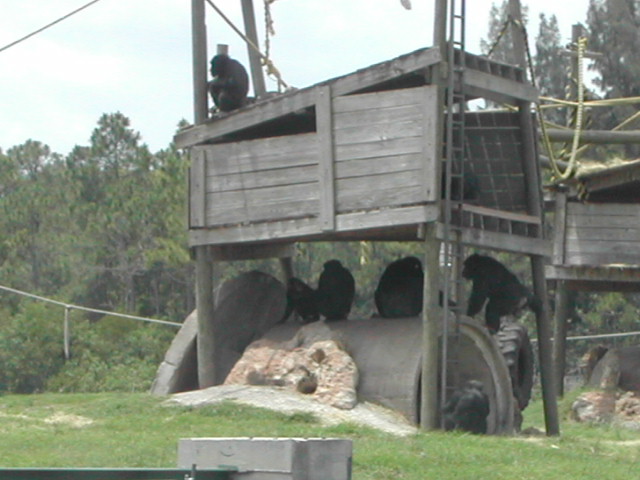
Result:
pixel 230 83
pixel 492 281
pixel 467 409
pixel 399 290
pixel 336 289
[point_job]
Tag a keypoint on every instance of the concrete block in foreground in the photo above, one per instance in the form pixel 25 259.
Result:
pixel 271 458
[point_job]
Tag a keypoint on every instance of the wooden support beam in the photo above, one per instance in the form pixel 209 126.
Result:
pixel 559 231
pixel 257 79
pixel 232 252
pixel 535 207
pixel 431 313
pixel 595 136
pixel 431 319
pixel 560 334
pixel 199 54
pixel 327 178
pixel 206 339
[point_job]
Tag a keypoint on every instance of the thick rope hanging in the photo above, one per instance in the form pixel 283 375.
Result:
pixel 266 61
pixel 570 170
pixel 582 44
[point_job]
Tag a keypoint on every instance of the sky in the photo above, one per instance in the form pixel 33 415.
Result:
pixel 134 56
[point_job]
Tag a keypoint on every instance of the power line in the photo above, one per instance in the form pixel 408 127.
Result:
pixel 47 26
pixel 69 306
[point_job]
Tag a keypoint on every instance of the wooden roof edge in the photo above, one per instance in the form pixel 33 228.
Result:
pixel 292 101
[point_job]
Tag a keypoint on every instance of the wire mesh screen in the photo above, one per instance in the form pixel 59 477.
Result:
pixel 493 154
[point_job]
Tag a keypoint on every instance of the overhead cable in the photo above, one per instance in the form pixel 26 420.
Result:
pixel 47 26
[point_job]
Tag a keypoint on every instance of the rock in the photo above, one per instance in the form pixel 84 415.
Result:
pixel 628 410
pixel 594 407
pixel 313 363
pixel 619 365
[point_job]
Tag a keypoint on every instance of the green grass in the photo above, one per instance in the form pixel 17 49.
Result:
pixel 136 430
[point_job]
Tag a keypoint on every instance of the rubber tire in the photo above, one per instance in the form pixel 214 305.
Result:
pixel 515 345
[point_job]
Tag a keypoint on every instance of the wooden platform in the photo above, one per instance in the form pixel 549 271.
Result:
pixel 359 158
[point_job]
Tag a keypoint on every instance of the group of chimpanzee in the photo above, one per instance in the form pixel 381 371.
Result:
pixel 399 294
pixel 400 289
pixel 332 299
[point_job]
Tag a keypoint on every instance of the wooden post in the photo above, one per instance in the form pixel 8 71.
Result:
pixel 286 266
pixel 431 316
pixel 199 54
pixel 431 313
pixel 206 339
pixel 204 264
pixel 534 206
pixel 560 334
pixel 440 27
pixel 254 58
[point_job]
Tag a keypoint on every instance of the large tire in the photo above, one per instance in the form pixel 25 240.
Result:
pixel 515 346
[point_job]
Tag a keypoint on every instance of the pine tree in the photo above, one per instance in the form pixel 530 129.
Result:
pixel 551 68
pixel 614 26
pixel 499 43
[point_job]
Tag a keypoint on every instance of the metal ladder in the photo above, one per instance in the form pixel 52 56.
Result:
pixel 454 180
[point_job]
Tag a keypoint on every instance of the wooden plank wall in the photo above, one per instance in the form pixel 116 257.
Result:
pixel 384 148
pixel 259 180
pixel 602 234
pixel 372 151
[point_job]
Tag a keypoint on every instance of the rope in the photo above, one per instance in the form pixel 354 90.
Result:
pixel 266 61
pixel 579 104
pixel 582 44
pixel 47 26
pixel 596 337
pixel 505 25
pixel 69 306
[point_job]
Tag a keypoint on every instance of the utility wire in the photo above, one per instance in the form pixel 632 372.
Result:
pixel 69 306
pixel 47 26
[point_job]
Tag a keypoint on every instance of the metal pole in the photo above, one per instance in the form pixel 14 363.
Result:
pixel 67 335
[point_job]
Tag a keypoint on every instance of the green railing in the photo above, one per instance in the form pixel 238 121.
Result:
pixel 115 473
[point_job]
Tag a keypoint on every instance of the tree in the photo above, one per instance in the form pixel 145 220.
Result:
pixel 500 37
pixel 613 27
pixel 551 68
pixel 35 222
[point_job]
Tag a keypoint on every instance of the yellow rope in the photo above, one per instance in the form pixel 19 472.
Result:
pixel 570 170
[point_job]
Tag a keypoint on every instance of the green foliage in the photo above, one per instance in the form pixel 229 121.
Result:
pixel 107 355
pixel 112 355
pixel 613 28
pixel 551 67
pixel 503 46
pixel 30 347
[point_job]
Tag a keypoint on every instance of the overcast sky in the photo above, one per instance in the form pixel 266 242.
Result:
pixel 134 56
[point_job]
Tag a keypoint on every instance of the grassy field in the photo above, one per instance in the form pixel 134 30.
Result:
pixel 136 430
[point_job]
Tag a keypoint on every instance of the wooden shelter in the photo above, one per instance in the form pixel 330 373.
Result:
pixel 359 157
pixel 596 240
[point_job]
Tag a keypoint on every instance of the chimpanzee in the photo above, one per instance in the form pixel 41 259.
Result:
pixel 467 409
pixel 493 281
pixel 230 83
pixel 399 290
pixel 302 299
pixel 336 289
